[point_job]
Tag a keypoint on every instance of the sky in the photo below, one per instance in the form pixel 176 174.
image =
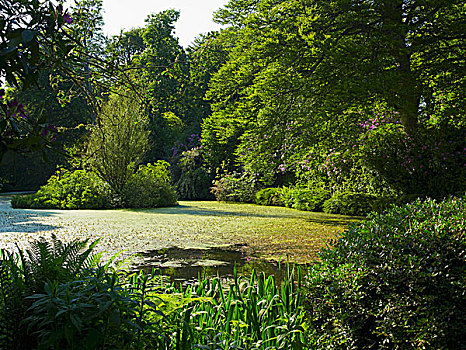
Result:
pixel 195 15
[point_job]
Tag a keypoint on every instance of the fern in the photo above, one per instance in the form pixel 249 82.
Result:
pixel 25 273
pixel 57 261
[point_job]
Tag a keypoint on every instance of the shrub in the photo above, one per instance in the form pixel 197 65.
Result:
pixel 79 189
pixel 95 312
pixel 310 199
pixel 235 187
pixel 353 203
pixel 269 196
pixel 430 162
pixel 194 180
pixel 396 280
pixel 26 273
pixel 150 187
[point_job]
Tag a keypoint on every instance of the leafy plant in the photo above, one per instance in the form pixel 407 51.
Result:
pixel 269 196
pixel 150 187
pixel 351 203
pixel 26 273
pixel 79 189
pixel 235 187
pixel 397 280
pixel 253 313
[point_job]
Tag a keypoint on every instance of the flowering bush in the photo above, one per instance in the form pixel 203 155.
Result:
pixel 381 159
pixel 269 196
pixel 190 176
pixel 430 163
pixel 235 187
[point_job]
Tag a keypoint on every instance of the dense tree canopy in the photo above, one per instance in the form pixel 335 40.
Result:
pixel 297 92
pixel 303 76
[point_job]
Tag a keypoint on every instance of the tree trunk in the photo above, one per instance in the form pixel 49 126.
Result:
pixel 405 91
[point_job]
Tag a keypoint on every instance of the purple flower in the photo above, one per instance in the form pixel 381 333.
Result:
pixel 50 131
pixel 13 103
pixel 2 93
pixel 67 18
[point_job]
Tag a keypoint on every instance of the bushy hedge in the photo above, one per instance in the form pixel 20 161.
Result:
pixel 150 187
pixel 79 189
pixel 396 280
pixel 310 199
pixel 236 187
pixel 269 196
pixel 354 203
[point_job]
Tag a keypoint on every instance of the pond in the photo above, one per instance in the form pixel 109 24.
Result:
pixel 182 241
pixel 186 266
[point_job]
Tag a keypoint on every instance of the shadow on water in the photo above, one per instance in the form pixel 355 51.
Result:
pixel 21 220
pixel 317 217
pixel 185 266
pixel 188 210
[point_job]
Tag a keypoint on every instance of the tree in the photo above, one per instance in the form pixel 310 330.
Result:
pixel 118 141
pixel 302 74
pixel 396 51
pixel 87 28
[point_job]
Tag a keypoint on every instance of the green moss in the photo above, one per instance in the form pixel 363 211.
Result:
pixel 274 232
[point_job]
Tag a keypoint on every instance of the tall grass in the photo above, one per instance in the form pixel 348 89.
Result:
pixel 103 308
pixel 252 313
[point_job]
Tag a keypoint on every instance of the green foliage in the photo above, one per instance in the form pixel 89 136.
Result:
pixel 79 189
pixel 235 187
pixel 301 76
pixel 100 308
pixel 430 162
pixel 252 314
pixel 397 280
pixel 98 311
pixel 149 187
pixel 194 179
pixel 269 196
pixel 27 273
pixel 118 142
pixel 353 203
pixel 311 199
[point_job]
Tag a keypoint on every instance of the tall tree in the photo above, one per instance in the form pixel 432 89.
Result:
pixel 296 67
pixel 87 28
pixel 390 49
